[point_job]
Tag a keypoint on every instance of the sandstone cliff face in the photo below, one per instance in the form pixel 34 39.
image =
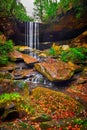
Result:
pixel 65 27
pixel 7 26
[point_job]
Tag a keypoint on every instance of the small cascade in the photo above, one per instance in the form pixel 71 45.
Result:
pixel 38 79
pixel 32 34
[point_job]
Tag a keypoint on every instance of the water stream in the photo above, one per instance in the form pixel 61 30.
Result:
pixel 32 34
pixel 32 41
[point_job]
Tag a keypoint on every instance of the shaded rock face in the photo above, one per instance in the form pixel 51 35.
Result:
pixel 78 88
pixel 7 26
pixel 56 70
pixel 63 28
pixel 81 40
pixel 10 115
pixel 67 27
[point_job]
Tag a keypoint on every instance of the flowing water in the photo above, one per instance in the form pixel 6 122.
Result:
pixel 32 34
pixel 32 40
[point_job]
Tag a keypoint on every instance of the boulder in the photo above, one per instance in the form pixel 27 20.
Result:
pixel 29 59
pixel 18 74
pixel 79 92
pixel 80 40
pixel 56 70
pixel 8 67
pixel 18 55
pixel 9 86
pixel 14 55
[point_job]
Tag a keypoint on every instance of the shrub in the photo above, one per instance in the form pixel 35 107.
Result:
pixel 74 55
pixel 5 48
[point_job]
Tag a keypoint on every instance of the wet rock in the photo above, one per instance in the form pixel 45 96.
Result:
pixel 21 87
pixel 18 74
pixel 22 48
pixel 8 86
pixel 15 55
pixel 29 59
pixel 18 55
pixel 56 70
pixel 8 67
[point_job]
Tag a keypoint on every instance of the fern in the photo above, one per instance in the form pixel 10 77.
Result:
pixel 74 55
pixel 52 51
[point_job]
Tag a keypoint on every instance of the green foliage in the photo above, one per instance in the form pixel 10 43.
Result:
pixel 4 98
pixel 74 55
pixel 45 9
pixel 3 59
pixel 0 32
pixel 5 48
pixel 38 9
pixel 52 51
pixel 12 8
pixel 20 13
pixel 78 5
pixel 23 124
pixel 20 103
pixel 50 10
pixel 79 121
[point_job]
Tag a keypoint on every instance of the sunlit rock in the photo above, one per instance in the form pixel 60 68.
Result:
pixel 56 70
pixel 22 48
pixel 29 59
pixel 18 55
pixel 15 55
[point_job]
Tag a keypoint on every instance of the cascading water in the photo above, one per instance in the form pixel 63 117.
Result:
pixel 32 34
pixel 37 78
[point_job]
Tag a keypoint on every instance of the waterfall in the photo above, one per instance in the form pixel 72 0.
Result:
pixel 32 34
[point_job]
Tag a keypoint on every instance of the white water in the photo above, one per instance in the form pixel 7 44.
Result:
pixel 32 34
pixel 38 78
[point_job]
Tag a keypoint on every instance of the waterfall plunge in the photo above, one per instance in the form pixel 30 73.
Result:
pixel 32 34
